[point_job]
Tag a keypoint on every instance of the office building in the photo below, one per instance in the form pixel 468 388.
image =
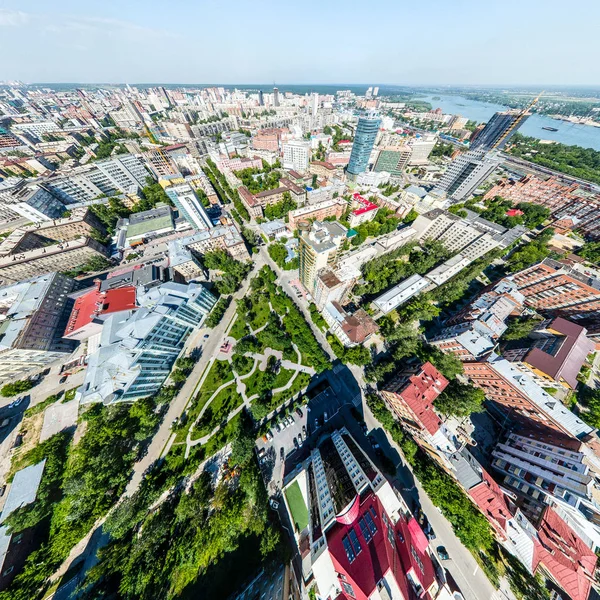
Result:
pixel 156 222
pixel 517 398
pixel 498 130
pixel 33 315
pixel 421 147
pixel 137 349
pixel 261 98
pixel 275 97
pixel 393 160
pixel 364 140
pixel 318 249
pixel 364 210
pixel 296 155
pixel 356 537
pixel 553 353
pixel 57 257
pixel 183 262
pixel 36 203
pixel 189 206
pixel 223 237
pixel 466 173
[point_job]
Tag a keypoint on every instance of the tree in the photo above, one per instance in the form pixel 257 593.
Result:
pixel 278 253
pixel 358 355
pixel 460 400
pixel 242 448
pixel 16 387
pixel 519 327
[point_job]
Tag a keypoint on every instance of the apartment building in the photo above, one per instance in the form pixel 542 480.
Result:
pixel 33 315
pixel 137 350
pixel 58 257
pixel 350 329
pixel 238 163
pixel 255 203
pixel 317 212
pixel 318 249
pixel 224 237
pixel 296 155
pixel 364 210
pixel 517 397
pixel 323 169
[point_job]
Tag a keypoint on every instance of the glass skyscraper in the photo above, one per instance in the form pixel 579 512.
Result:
pixel 500 124
pixel 364 140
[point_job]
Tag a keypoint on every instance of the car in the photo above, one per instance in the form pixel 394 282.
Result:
pixel 374 442
pixel 299 440
pixel 278 427
pixel 299 412
pixel 299 437
pixel 442 553
pixel 206 337
pixel 281 453
pixel 325 417
pixel 15 403
pixel 262 452
pixel 63 379
pixel 430 534
pixel 2 490
pixel 290 420
pixel 269 436
pixel 304 431
pixel 296 444
pixel 316 423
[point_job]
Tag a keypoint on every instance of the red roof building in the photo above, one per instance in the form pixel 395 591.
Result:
pixel 92 308
pixel 365 211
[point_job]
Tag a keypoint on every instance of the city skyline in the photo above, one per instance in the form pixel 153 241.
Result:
pixel 152 43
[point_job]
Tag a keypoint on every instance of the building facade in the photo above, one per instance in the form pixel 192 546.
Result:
pixel 364 140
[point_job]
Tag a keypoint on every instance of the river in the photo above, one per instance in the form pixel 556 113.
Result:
pixel 568 133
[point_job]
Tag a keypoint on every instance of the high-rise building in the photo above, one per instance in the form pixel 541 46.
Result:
pixel 318 249
pixel 261 98
pixel 466 172
pixel 355 534
pixel 296 155
pixel 314 103
pixel 421 148
pixel 189 206
pixel 498 130
pixel 393 159
pixel 364 140
pixel 275 96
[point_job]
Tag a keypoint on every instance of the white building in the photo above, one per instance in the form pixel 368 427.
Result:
pixel 189 206
pixel 296 155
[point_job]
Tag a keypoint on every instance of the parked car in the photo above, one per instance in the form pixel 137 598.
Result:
pixel 442 553
pixel 304 431
pixel 299 412
pixel 282 453
pixel 63 379
pixel 206 337
pixel 374 442
pixel 269 436
pixel 2 490
pixel 430 534
pixel 316 423
pixel 278 427
pixel 261 452
pixel 16 402
pixel 290 420
pixel 4 423
pixel 325 417
pixel 296 443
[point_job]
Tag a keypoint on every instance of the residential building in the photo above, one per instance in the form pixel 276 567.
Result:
pixel 183 261
pixel 223 237
pixel 556 288
pixel 238 163
pixel 15 548
pixel 274 229
pixel 355 535
pixel 515 395
pixel 466 173
pixel 350 329
pixel 94 306
pixel 553 353
pixel 364 140
pixel 544 471
pixel 366 211
pixel 256 202
pixel 268 139
pixel 498 130
pixel 317 212
pixel 318 249
pixel 138 349
pixel 472 236
pixel 322 169
pixel 296 155
pixel 58 257
pixel 330 287
pixel 33 315
pixel 147 276
pixel 189 206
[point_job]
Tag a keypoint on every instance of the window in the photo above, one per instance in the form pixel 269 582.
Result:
pixel 348 548
pixel 355 543
pixel 348 589
pixel 365 531
pixel 370 524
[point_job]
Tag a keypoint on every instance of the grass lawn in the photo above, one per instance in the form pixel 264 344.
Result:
pixel 220 372
pixel 246 371
pixel 297 506
pixel 301 381
pixel 69 394
pixel 222 437
pixel 261 310
pixel 239 329
pixel 253 383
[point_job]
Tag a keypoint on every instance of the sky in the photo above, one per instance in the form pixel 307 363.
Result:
pixel 401 42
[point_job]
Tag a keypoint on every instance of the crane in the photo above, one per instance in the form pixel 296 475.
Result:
pixel 517 122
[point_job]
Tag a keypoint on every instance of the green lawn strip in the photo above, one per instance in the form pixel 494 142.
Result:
pixel 239 329
pixel 297 506
pixel 212 382
pixel 41 406
pixel 224 402
pixel 221 437
pixel 253 383
pixel 301 381
pixel 69 394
